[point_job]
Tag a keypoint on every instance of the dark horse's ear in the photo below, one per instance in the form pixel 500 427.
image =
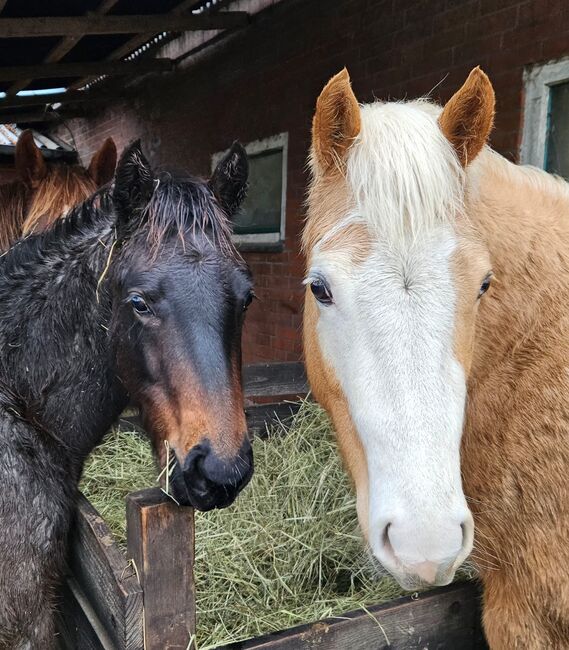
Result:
pixel 229 179
pixel 133 186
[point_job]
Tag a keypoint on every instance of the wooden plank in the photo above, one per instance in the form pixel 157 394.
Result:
pixel 107 579
pixel 261 416
pixel 75 626
pixel 274 379
pixel 160 539
pixel 443 619
pixel 64 46
pixel 134 43
pixel 44 26
pixel 28 117
pixel 48 71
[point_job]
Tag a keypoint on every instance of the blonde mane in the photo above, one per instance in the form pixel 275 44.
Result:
pixel 524 176
pixel 404 174
pixel 403 179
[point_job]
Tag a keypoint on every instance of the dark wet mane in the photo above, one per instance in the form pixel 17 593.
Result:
pixel 184 205
pixel 179 205
pixel 83 220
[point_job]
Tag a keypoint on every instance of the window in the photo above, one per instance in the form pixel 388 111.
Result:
pixel 545 141
pixel 261 220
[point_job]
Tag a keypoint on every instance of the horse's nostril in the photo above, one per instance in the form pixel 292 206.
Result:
pixel 228 471
pixel 385 536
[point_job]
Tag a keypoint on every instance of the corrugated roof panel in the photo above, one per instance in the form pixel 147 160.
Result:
pixel 9 134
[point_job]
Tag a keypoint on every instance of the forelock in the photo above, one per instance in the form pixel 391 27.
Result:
pixel 404 174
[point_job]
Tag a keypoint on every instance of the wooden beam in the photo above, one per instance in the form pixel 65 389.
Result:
pixel 106 578
pixel 160 541
pixel 134 43
pixel 64 46
pixel 274 379
pixel 443 618
pixel 35 116
pixel 49 71
pixel 88 25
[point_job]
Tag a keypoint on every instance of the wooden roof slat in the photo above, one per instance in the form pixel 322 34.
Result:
pixel 33 116
pixel 64 46
pixel 137 41
pixel 100 24
pixel 61 70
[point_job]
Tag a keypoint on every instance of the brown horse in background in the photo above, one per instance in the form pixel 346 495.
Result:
pixel 451 407
pixel 45 191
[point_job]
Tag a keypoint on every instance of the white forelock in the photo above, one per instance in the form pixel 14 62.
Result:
pixel 404 174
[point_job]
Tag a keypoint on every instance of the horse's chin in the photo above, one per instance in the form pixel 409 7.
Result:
pixel 412 582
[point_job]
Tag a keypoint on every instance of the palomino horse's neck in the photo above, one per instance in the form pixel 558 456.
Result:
pixel 514 449
pixel 57 361
pixel 523 217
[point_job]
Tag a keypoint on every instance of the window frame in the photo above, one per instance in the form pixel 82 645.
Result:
pixel 537 83
pixel 272 239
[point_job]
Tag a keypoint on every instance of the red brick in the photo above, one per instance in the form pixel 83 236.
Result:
pixel 265 80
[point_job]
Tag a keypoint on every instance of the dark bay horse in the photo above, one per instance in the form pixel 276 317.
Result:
pixel 46 190
pixel 137 294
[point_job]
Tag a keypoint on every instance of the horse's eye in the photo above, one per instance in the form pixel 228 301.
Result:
pixel 321 292
pixel 139 304
pixel 248 300
pixel 485 285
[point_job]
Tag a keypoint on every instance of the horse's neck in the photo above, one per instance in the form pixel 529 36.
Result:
pixel 56 357
pixel 523 216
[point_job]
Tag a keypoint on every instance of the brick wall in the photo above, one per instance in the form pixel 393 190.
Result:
pixel 265 81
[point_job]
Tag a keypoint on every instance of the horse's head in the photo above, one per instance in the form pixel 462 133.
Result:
pixel 52 189
pixel 395 276
pixel 180 292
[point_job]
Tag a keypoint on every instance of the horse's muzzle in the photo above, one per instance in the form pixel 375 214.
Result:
pixel 207 480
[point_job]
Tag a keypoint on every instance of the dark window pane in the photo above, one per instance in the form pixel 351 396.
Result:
pixel 557 143
pixel 261 210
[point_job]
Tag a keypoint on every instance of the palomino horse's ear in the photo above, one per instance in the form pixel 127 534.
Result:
pixel 337 121
pixel 229 178
pixel 103 163
pixel 30 165
pixel 134 184
pixel 468 116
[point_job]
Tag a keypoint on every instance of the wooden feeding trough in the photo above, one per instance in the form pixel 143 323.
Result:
pixel 144 599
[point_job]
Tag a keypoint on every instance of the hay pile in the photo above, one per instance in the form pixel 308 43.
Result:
pixel 287 552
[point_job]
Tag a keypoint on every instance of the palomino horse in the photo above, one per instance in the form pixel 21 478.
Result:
pixel 136 294
pixel 409 217
pixel 45 191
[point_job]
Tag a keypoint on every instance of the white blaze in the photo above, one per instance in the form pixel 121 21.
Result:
pixel 390 339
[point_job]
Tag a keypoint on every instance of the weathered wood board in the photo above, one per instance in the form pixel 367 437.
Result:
pixel 160 538
pixel 443 619
pixel 106 578
pixel 274 379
